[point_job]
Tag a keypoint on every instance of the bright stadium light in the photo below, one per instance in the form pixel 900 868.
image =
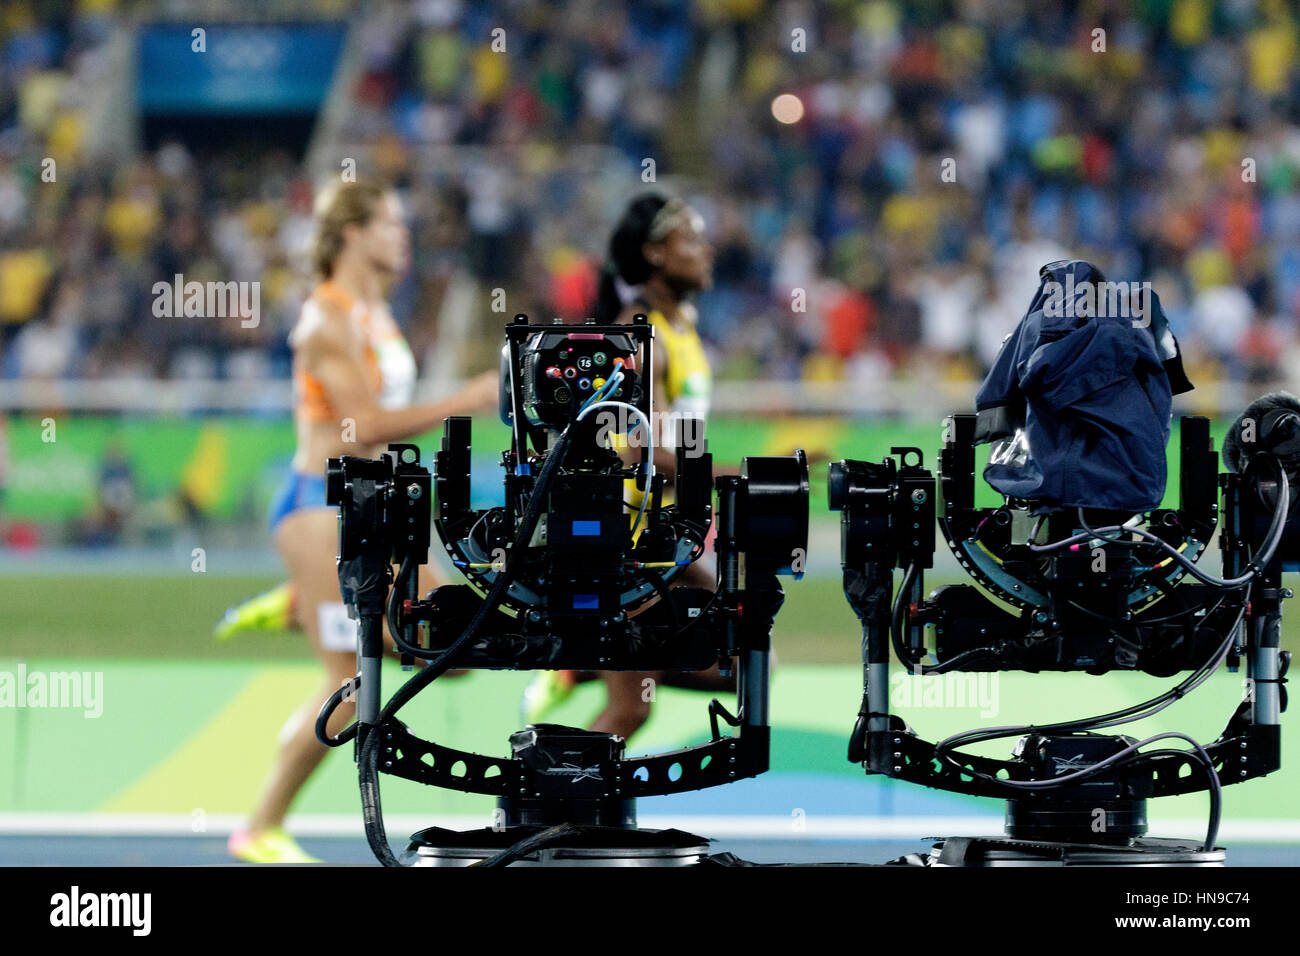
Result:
pixel 787 108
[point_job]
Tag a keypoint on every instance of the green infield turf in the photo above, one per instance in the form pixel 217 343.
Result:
pixel 172 617
pixel 188 725
pixel 180 737
pixel 166 617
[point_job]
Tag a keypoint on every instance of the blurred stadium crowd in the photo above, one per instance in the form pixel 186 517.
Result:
pixel 1171 156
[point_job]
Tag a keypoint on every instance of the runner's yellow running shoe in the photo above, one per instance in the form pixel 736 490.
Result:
pixel 270 846
pixel 270 611
pixel 544 693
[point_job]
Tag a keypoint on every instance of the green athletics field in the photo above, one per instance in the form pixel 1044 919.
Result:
pixel 185 728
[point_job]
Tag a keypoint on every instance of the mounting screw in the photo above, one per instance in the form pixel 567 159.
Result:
pixel 919 496
pixel 412 490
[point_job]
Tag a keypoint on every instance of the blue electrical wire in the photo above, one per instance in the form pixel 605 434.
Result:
pixel 605 390
pixel 611 386
pixel 648 470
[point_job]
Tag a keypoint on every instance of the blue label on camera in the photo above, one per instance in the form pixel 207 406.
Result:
pixel 586 528
pixel 586 602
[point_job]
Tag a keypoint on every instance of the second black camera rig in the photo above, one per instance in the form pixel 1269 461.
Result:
pixel 1071 590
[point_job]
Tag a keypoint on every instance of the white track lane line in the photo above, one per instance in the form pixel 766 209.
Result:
pixel 811 827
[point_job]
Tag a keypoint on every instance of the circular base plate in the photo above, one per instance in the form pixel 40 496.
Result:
pixel 1004 851
pixel 589 846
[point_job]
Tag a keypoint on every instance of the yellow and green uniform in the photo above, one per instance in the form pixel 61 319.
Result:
pixel 687 388
pixel 689 383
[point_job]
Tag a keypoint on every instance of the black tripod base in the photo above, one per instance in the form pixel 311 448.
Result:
pixel 583 846
pixel 1053 832
pixel 1006 851
pixel 541 812
pixel 1109 822
pixel 564 815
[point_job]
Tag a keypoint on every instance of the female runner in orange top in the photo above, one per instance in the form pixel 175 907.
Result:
pixel 354 379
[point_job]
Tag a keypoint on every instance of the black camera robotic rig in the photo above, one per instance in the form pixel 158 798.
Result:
pixel 560 577
pixel 1075 590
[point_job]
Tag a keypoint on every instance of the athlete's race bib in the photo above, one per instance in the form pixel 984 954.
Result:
pixel 338 632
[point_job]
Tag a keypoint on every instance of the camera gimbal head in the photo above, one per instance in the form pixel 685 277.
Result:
pixel 560 577
pixel 1083 591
